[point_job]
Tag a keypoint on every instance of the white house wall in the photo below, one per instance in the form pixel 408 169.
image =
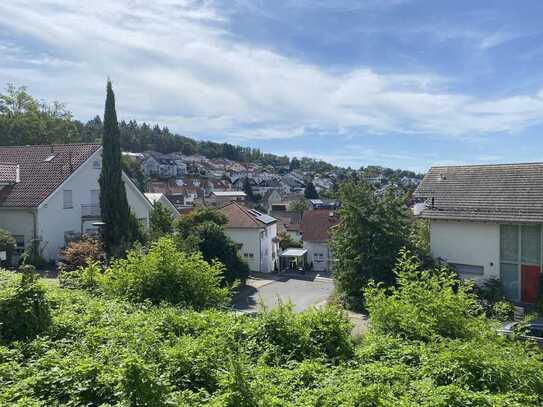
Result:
pixel 53 220
pixel 249 239
pixel 471 243
pixel 320 264
pixel 19 222
pixel 267 248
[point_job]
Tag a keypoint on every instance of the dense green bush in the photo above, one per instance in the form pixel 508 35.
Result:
pixel 108 351
pixel 202 231
pixel 424 304
pixel 86 277
pixel 166 274
pixel 24 311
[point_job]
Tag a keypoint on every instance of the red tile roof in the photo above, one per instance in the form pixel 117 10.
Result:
pixel 40 177
pixel 316 225
pixel 242 217
pixel 8 173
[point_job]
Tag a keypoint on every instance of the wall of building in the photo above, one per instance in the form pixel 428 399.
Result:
pixel 18 222
pixel 249 239
pixel 320 263
pixel 54 220
pixel 139 205
pixel 268 249
pixel 471 243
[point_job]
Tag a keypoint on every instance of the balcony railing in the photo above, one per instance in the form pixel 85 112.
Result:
pixel 90 211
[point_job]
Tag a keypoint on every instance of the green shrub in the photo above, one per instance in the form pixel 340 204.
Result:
pixel 141 384
pixel 502 311
pixel 24 311
pixel 286 335
pixel 86 277
pixel 166 274
pixel 425 304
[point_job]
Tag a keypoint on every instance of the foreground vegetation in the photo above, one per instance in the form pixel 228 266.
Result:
pixel 430 345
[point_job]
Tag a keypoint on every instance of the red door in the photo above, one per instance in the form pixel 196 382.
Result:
pixel 530 283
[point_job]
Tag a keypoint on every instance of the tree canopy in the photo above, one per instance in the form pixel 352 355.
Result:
pixel 371 232
pixel 202 230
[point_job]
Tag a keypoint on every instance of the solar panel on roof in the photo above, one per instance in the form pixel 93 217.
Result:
pixel 266 219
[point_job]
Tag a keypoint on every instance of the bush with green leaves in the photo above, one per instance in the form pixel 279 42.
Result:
pixel 165 274
pixel 202 231
pixel 424 304
pixel 102 350
pixel 24 310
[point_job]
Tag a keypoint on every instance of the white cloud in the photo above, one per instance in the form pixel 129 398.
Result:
pixel 174 62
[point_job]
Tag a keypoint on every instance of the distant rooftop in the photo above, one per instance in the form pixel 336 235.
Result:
pixel 229 193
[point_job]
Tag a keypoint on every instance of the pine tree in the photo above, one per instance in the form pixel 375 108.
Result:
pixel 113 202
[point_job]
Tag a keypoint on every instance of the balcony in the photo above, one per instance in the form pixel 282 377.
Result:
pixel 90 211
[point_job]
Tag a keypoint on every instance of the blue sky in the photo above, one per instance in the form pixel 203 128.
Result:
pixel 400 83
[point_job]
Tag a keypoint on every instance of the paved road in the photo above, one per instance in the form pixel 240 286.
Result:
pixel 303 293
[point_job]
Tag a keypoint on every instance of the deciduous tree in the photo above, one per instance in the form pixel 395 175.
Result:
pixel 371 232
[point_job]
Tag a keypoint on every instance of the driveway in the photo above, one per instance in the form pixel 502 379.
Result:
pixel 303 292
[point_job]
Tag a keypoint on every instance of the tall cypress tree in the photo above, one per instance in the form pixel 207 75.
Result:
pixel 113 202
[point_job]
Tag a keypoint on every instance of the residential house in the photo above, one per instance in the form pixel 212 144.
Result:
pixel 179 193
pixel 315 231
pixel 218 199
pixel 154 197
pixel 288 223
pixel 272 200
pixel 255 234
pixel 49 194
pixel 330 204
pixel 485 222
pixel 163 165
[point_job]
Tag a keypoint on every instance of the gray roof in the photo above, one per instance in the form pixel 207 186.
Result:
pixel 493 193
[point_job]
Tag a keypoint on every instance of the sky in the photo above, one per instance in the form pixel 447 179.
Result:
pixel 400 83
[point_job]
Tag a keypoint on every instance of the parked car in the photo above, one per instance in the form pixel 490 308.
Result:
pixel 531 331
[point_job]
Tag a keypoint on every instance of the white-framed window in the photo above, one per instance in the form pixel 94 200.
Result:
pixel 251 255
pixel 67 199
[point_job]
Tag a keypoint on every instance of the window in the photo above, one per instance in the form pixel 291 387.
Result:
pixel 530 244
pixel 251 255
pixel 509 260
pixel 96 164
pixel 19 243
pixel 467 268
pixel 245 255
pixel 67 202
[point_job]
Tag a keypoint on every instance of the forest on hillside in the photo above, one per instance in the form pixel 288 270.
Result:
pixel 24 120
